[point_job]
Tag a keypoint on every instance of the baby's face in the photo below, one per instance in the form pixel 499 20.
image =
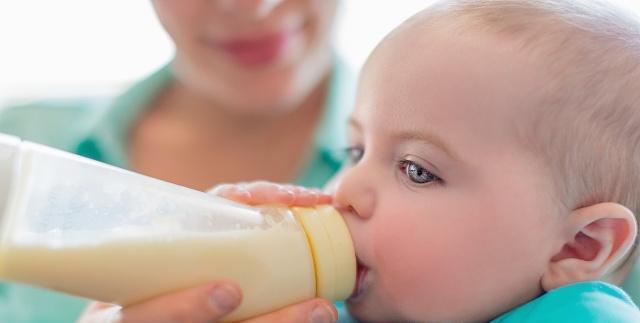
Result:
pixel 452 218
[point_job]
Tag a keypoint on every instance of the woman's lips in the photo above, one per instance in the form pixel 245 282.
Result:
pixel 258 51
pixel 361 274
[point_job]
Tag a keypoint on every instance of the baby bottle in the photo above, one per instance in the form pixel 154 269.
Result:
pixel 85 228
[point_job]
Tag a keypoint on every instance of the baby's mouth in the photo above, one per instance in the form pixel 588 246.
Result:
pixel 361 274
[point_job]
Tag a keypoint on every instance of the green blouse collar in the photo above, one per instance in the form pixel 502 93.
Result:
pixel 107 135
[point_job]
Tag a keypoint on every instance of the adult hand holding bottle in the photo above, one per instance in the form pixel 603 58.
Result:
pixel 211 302
pixel 207 303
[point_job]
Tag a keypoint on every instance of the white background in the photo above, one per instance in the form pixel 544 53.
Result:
pixel 86 47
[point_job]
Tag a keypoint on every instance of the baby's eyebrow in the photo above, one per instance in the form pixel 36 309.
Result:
pixel 426 136
pixel 431 138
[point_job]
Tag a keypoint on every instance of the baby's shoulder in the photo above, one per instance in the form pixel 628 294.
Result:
pixel 581 302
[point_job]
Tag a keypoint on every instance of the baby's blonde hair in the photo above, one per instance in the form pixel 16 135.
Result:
pixel 586 126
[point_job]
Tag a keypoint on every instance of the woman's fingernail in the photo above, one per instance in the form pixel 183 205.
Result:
pixel 225 298
pixel 322 314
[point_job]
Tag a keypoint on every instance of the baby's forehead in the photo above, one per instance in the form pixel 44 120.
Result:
pixel 444 90
pixel 570 49
pixel 415 40
pixel 562 53
pixel 425 57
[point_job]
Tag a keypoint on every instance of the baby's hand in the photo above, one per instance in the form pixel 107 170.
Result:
pixel 255 193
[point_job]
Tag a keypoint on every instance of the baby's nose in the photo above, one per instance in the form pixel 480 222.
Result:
pixel 354 199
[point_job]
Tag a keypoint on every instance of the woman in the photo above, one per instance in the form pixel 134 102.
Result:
pixel 253 92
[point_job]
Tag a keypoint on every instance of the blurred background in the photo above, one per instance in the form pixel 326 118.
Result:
pixel 90 47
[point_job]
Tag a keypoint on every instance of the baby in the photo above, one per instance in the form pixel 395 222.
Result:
pixel 494 166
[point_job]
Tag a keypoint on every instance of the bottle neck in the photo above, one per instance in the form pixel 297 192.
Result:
pixel 332 250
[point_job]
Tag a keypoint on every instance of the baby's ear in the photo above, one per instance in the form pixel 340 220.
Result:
pixel 599 237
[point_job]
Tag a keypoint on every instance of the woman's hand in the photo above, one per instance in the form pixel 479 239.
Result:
pixel 255 193
pixel 207 303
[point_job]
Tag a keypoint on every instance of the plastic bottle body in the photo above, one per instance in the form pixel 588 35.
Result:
pixel 272 266
pixel 96 231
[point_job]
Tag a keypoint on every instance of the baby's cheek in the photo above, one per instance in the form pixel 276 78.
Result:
pixel 410 265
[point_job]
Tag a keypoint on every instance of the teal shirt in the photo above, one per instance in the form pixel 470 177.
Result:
pixel 98 128
pixel 589 302
pixel 586 302
pixel 631 284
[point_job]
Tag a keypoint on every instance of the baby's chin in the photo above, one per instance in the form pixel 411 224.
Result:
pixel 361 314
pixel 367 308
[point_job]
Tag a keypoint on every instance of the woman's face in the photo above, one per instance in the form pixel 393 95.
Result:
pixel 251 56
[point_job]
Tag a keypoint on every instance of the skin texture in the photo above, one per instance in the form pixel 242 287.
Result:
pixel 196 305
pixel 199 29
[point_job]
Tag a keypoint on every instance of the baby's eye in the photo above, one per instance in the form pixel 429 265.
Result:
pixel 417 173
pixel 354 154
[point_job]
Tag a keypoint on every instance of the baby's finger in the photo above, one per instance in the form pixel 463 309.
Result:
pixel 262 192
pixel 269 193
pixel 309 197
pixel 324 198
pixel 235 192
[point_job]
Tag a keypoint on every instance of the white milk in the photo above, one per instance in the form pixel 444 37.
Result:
pixel 97 231
pixel 272 266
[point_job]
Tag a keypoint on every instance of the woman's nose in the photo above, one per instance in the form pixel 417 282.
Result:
pixel 354 191
pixel 251 9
